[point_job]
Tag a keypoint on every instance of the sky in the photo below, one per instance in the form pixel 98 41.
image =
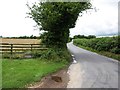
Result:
pixel 102 21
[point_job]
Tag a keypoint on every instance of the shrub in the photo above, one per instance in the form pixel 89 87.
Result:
pixel 110 44
pixel 115 50
pixel 53 54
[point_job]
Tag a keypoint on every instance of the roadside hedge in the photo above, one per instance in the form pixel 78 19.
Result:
pixel 110 44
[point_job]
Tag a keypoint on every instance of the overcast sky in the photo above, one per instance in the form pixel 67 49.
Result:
pixel 102 21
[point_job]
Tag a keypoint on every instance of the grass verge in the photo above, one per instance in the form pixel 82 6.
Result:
pixel 104 53
pixel 18 73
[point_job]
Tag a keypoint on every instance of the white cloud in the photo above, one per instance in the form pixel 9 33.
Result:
pixel 12 18
pixel 14 23
pixel 104 21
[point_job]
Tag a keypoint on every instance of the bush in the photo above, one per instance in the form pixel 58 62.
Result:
pixel 115 50
pixel 110 44
pixel 6 55
pixel 53 54
pixel 50 54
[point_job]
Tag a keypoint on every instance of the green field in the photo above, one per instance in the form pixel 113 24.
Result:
pixel 18 73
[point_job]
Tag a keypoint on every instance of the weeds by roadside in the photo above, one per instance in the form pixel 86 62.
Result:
pixel 49 54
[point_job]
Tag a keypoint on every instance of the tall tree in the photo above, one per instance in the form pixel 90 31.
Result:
pixel 57 18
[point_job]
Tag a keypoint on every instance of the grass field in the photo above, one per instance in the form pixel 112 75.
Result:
pixel 21 41
pixel 18 73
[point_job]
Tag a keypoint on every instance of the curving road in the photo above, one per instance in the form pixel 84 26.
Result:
pixel 92 70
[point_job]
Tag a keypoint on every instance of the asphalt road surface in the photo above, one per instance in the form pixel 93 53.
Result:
pixel 92 70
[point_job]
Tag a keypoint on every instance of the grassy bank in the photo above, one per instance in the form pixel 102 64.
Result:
pixel 107 46
pixel 18 73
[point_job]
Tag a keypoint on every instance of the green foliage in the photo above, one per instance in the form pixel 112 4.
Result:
pixel 6 55
pixel 28 37
pixel 91 36
pixel 56 18
pixel 82 36
pixel 101 44
pixel 70 39
pixel 43 38
pixel 115 50
pixel 50 54
pixel 56 55
pixel 13 56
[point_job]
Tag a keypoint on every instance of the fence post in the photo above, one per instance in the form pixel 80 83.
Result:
pixel 11 50
pixel 31 47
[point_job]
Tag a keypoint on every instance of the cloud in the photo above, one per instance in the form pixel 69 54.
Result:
pixel 12 18
pixel 104 21
pixel 14 23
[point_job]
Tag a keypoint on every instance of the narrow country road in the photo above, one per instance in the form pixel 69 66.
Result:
pixel 92 70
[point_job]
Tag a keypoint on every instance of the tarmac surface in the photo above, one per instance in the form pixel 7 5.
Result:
pixel 91 70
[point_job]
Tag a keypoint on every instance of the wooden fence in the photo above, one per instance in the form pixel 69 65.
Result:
pixel 20 48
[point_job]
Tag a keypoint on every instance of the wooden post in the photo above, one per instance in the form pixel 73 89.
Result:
pixel 31 47
pixel 11 50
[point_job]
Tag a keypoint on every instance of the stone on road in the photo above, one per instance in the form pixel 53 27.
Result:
pixel 92 70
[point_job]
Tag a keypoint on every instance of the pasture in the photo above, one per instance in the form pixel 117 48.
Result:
pixel 19 73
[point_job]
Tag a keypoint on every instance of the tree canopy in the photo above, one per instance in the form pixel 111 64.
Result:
pixel 57 18
pixel 82 36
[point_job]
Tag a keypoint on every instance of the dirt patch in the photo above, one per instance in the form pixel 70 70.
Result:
pixel 48 82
